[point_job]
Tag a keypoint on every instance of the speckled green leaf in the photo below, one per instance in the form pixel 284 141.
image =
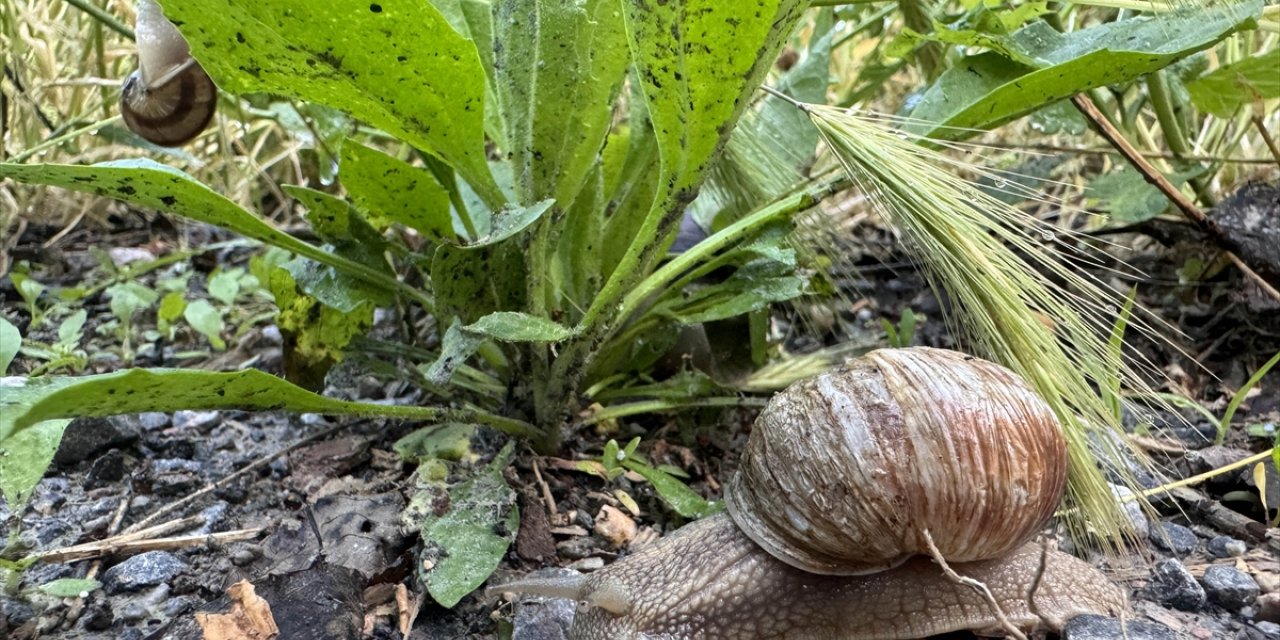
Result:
pixel 513 326
pixel 1224 90
pixel 698 62
pixel 1041 66
pixel 25 402
pixel 25 455
pixel 462 546
pixel 146 183
pixel 10 341
pixel 388 190
pixel 399 66
pixel 674 492
pixel 69 587
pixel 558 66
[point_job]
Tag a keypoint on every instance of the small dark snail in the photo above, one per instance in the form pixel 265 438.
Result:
pixel 845 478
pixel 170 99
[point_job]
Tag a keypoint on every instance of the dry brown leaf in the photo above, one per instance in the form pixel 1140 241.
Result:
pixel 408 603
pixel 249 618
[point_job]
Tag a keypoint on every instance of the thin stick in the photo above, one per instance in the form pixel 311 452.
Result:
pixel 976 585
pixel 1157 179
pixel 1266 136
pixel 101 549
pixel 1039 578
pixel 260 462
pixel 546 490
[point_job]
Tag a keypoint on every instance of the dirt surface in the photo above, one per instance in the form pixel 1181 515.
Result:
pixel 309 509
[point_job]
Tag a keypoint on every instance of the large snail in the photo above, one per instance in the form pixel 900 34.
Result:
pixel 845 480
pixel 170 99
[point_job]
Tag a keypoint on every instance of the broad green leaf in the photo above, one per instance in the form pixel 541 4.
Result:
pixel 26 455
pixel 203 317
pixel 128 298
pixel 1041 66
pixel 674 492
pixel 558 66
pixel 513 326
pixel 334 288
pixel 1224 90
pixel 456 347
pixel 146 183
pixel 69 587
pixel 171 307
pixel 462 546
pixel 317 320
pixel 398 66
pixel 388 190
pixel 473 19
pixel 26 402
pixel 469 283
pixel 224 285
pixel 577 263
pixel 450 441
pixel 10 342
pixel 70 330
pixel 1129 199
pixel 699 61
pixel 509 221
pixel 341 225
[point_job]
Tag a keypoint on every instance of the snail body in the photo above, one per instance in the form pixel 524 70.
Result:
pixel 845 482
pixel 170 99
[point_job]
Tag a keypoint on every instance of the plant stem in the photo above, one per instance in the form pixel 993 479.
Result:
pixel 103 17
pixel 57 140
pixel 1171 127
pixel 1239 397
pixel 651 406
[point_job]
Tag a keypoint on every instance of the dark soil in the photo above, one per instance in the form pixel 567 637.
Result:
pixel 325 544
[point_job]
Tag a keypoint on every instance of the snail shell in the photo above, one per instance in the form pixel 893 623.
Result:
pixel 845 472
pixel 170 99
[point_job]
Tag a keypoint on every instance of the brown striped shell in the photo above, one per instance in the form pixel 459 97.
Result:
pixel 170 99
pixel 844 472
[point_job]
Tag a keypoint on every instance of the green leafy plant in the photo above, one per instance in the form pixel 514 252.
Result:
pixel 522 170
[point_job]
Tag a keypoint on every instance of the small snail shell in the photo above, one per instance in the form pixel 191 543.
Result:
pixel 844 472
pixel 170 99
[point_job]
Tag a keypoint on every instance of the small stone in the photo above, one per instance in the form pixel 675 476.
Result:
pixel 1269 629
pixel 245 555
pixel 1229 587
pixel 1174 537
pixel 85 437
pixel 153 420
pixel 105 470
pixel 15 612
pixel 1172 585
pixel 1269 607
pixel 1226 547
pixel 131 613
pixel 615 526
pixel 1132 509
pixel 538 618
pixel 143 570
pixel 1095 627
pixel 202 421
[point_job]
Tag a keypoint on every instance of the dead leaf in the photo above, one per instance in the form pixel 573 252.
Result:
pixel 408 603
pixel 249 618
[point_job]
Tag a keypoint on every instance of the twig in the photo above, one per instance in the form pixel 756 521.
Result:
pixel 1266 136
pixel 109 547
pixel 976 585
pixel 546 490
pixel 1157 179
pixel 1039 578
pixel 260 462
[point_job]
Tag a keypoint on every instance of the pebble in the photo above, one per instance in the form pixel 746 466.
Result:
pixel 201 421
pixel 1229 587
pixel 244 556
pixel 1226 547
pixel 1095 627
pixel 153 420
pixel 1173 585
pixel 1269 629
pixel 539 618
pixel 132 612
pixel 143 570
pixel 1132 509
pixel 15 611
pixel 1174 538
pixel 85 437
